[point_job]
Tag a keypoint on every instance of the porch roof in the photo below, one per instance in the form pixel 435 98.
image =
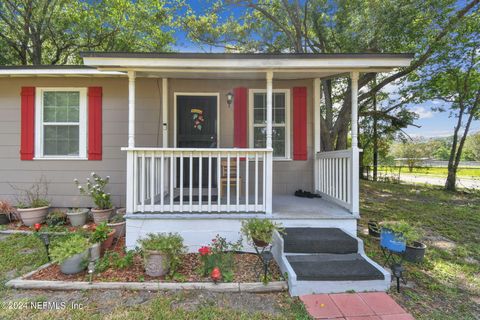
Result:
pixel 241 65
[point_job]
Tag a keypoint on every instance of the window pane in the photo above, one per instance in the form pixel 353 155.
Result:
pixel 61 140
pixel 278 142
pixel 259 110
pixel 259 137
pixel 62 106
pixel 279 108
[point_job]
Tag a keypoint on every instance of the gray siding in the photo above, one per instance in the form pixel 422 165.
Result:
pixel 288 175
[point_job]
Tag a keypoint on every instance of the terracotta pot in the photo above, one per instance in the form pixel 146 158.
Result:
pixel 31 216
pixel 119 228
pixel 156 263
pixel 260 243
pixel 107 244
pixel 100 216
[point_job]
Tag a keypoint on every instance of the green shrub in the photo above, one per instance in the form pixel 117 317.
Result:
pixel 56 218
pixel 113 259
pixel 101 233
pixel 66 247
pixel 406 231
pixel 260 229
pixel 171 245
pixel 96 191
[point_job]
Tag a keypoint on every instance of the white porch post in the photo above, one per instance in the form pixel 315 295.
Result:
pixel 316 130
pixel 269 157
pixel 165 112
pixel 355 191
pixel 130 205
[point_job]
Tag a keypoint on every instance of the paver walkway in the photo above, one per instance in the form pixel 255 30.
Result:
pixel 354 306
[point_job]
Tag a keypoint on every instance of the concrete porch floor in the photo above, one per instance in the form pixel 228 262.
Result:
pixel 292 207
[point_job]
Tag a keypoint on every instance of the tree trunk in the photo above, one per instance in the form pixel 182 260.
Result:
pixel 375 133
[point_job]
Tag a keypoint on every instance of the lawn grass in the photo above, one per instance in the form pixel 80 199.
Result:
pixel 472 172
pixel 446 283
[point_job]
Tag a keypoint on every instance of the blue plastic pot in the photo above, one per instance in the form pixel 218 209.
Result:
pixel 392 241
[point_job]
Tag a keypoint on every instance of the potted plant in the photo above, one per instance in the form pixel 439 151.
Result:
pixel 117 222
pixel 33 204
pixel 71 253
pixel 56 218
pixel 77 216
pixel 96 190
pixel 103 235
pixel 7 212
pixel 260 231
pixel 161 253
pixel 395 235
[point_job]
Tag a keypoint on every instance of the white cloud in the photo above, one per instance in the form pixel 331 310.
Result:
pixel 423 113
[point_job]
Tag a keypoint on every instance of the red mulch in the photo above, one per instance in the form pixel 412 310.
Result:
pixel 246 269
pixel 17 225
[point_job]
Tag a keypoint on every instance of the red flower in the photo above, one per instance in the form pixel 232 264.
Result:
pixel 204 251
pixel 216 274
pixel 37 226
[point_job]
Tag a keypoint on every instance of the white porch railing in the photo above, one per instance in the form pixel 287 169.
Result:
pixel 189 180
pixel 336 179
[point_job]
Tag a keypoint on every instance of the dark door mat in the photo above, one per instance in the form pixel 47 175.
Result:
pixel 333 267
pixel 213 198
pixel 318 240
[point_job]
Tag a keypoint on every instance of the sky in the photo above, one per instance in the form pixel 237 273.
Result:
pixel 431 123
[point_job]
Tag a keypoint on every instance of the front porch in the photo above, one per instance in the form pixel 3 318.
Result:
pixel 256 106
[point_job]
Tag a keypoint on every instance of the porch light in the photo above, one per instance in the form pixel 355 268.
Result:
pixel 229 99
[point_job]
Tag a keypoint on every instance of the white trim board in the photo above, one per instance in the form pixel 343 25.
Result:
pixel 82 123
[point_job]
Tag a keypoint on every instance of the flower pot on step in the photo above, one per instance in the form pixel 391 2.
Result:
pixel 74 264
pixel 100 216
pixel 31 216
pixel 415 252
pixel 107 244
pixel 78 218
pixel 156 263
pixel 119 228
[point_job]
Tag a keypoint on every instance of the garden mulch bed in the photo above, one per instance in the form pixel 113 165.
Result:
pixel 18 226
pixel 247 266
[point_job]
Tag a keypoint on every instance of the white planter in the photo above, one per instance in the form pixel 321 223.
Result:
pixel 79 218
pixel 31 216
pixel 74 264
pixel 156 263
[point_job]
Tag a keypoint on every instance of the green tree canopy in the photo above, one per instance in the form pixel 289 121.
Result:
pixel 55 31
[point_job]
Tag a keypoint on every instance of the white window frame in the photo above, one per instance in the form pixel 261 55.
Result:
pixel 82 143
pixel 251 123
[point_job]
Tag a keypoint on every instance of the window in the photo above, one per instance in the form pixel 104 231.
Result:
pixel 280 121
pixel 60 126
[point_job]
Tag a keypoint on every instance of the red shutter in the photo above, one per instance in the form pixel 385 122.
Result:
pixel 28 123
pixel 300 123
pixel 240 111
pixel 95 123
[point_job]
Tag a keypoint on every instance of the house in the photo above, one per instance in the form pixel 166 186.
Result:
pixel 194 143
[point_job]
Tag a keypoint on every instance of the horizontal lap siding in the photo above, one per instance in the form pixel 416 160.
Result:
pixel 288 175
pixel 60 173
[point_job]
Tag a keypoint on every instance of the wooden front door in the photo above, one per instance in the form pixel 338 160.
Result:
pixel 196 128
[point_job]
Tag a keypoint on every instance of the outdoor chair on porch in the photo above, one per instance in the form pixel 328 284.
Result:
pixel 224 179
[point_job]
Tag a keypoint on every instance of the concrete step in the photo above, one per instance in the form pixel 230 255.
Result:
pixel 333 267
pixel 318 240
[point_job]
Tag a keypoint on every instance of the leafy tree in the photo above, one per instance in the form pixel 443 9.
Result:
pixel 454 79
pixel 412 153
pixel 323 26
pixel 472 147
pixel 55 31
